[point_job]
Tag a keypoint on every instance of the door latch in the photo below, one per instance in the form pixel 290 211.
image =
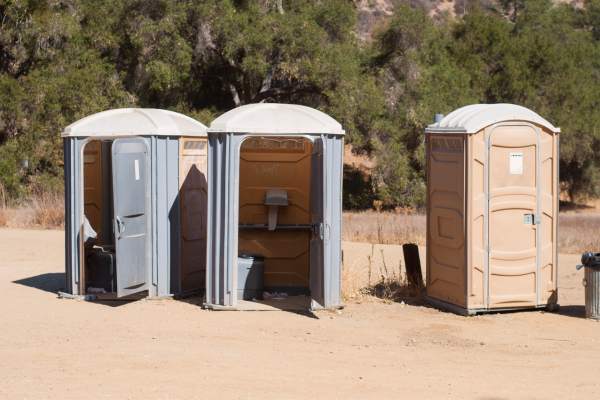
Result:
pixel 531 219
pixel 120 226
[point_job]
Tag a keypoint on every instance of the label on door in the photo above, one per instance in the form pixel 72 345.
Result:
pixel 136 168
pixel 516 163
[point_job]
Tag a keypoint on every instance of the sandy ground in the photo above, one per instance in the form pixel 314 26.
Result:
pixel 53 348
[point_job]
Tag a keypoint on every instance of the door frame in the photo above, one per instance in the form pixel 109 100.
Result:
pixel 81 207
pixel 537 217
pixel 237 153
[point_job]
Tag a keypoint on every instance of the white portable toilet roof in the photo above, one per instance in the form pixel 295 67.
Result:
pixel 276 119
pixel 135 122
pixel 475 117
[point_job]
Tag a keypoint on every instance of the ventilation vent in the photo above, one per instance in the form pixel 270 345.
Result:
pixel 194 145
pixel 280 145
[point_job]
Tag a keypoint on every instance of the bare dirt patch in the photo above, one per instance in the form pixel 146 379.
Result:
pixel 67 349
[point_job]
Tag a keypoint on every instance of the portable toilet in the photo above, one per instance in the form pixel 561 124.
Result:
pixel 135 202
pixel 492 209
pixel 275 195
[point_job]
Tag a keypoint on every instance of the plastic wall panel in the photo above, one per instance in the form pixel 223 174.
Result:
pixel 283 163
pixel 193 200
pixel 221 230
pixel 476 225
pixel 334 158
pixel 549 212
pixel 275 162
pixel 446 253
pixel 93 188
pixel 73 199
pixel 165 209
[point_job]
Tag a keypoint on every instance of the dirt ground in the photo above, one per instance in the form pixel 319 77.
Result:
pixel 167 349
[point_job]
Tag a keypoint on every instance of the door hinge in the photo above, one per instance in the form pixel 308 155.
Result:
pixel 321 230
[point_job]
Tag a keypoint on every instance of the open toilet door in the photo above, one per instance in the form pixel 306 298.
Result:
pixel 319 231
pixel 131 214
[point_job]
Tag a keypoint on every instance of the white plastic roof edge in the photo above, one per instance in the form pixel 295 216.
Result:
pixel 276 119
pixel 475 117
pixel 135 122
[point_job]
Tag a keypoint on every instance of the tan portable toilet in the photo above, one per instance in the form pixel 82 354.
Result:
pixel 492 209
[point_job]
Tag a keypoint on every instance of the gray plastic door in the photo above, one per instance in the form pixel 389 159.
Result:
pixel 317 240
pixel 131 211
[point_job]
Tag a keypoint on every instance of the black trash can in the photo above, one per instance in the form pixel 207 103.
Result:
pixel 250 278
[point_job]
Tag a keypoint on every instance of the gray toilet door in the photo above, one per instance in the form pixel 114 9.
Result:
pixel 317 278
pixel 131 214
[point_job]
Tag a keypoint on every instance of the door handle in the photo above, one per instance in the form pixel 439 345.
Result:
pixel 120 226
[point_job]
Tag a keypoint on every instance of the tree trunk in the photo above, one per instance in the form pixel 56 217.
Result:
pixel 235 95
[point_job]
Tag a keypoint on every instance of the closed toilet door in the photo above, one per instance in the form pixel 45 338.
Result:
pixel 513 216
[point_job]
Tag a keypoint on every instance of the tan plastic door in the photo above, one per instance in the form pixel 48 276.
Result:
pixel 92 182
pixel 513 216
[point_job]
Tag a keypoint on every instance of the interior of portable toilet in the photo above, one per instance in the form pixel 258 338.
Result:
pixel 137 179
pixel 275 180
pixel 492 209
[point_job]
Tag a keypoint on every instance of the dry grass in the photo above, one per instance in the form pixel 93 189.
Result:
pixel 3 218
pixel 393 290
pixel 578 232
pixel 390 285
pixel 383 227
pixel 45 211
pixel 48 211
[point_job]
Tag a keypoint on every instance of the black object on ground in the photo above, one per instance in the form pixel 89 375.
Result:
pixel 413 266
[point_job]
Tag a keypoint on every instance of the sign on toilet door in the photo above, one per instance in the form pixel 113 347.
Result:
pixel 516 163
pixel 136 167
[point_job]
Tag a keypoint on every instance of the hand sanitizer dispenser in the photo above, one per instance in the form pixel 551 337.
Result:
pixel 274 198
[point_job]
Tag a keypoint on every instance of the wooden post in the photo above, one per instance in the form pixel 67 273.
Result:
pixel 413 266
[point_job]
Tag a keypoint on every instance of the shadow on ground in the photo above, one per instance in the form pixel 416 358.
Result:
pixel 576 311
pixel 398 292
pixel 198 300
pixel 51 282
pixel 54 282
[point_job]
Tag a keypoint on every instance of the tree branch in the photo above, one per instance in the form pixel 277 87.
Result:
pixel 234 95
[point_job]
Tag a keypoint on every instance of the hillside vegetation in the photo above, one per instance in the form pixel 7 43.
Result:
pixel 383 78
